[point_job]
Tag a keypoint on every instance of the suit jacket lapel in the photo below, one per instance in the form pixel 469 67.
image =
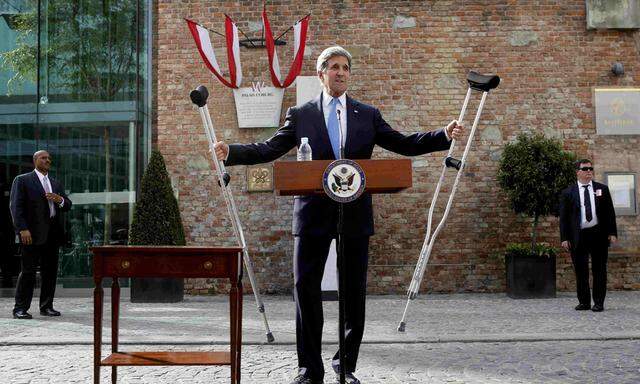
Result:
pixel 325 142
pixel 352 124
pixel 36 182
pixel 576 197
pixel 595 197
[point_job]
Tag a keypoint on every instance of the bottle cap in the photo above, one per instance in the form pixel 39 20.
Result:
pixel 304 140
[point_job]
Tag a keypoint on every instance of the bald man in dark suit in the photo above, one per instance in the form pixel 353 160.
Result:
pixel 37 203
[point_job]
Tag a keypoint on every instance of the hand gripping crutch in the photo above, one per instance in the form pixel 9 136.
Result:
pixel 478 82
pixel 199 97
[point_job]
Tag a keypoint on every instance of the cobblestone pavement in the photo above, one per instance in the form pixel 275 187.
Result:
pixel 615 361
pixel 462 338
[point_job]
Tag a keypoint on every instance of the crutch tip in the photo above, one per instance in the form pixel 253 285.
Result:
pixel 270 338
pixel 401 326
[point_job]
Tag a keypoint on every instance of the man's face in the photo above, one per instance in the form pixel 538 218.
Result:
pixel 585 173
pixel 43 162
pixel 335 78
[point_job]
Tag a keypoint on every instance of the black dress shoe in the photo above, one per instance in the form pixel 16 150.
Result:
pixel 49 312
pixel 348 378
pixel 303 379
pixel 597 308
pixel 583 307
pixel 21 314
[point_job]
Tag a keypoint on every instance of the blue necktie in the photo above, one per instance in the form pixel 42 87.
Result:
pixel 333 126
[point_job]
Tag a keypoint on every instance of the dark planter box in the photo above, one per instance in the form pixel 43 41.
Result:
pixel 156 290
pixel 530 277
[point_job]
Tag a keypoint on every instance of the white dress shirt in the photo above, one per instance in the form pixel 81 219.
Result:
pixel 583 217
pixel 342 117
pixel 46 185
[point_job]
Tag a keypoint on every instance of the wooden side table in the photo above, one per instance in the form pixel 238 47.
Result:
pixel 171 262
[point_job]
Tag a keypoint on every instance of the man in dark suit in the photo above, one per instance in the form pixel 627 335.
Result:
pixel 588 227
pixel 7 237
pixel 37 202
pixel 331 122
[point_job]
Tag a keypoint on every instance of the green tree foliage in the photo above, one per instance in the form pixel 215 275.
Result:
pixel 156 219
pixel 533 171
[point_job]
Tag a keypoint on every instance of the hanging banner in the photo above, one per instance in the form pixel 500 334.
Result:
pixel 299 40
pixel 205 48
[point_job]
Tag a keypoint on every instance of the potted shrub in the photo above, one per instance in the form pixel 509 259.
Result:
pixel 533 171
pixel 156 221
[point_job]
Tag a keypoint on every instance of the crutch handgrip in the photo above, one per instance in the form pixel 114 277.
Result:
pixel 451 162
pixel 483 83
pixel 226 177
pixel 199 96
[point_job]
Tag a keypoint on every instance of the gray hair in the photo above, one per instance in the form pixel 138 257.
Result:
pixel 323 59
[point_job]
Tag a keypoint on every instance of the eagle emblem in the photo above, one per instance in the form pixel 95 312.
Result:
pixel 343 180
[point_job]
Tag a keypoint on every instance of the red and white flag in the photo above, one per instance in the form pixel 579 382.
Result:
pixel 203 42
pixel 300 37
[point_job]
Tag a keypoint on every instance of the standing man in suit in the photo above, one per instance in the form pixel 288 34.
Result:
pixel 588 227
pixel 37 202
pixel 332 116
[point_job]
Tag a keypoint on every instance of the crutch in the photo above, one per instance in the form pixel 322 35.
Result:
pixel 199 97
pixel 477 82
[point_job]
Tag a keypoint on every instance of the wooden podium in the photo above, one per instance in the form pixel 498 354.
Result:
pixel 305 177
pixel 160 261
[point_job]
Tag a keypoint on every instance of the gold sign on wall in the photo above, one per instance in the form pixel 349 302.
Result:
pixel 617 110
pixel 260 178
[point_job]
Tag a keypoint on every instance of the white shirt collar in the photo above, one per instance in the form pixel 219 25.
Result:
pixel 590 184
pixel 326 99
pixel 40 175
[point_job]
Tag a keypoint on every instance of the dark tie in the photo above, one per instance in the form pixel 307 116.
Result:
pixel 587 204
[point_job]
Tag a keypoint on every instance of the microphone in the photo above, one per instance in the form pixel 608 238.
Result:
pixel 340 129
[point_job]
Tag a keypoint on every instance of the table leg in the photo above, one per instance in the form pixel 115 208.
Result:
pixel 233 319
pixel 97 329
pixel 115 315
pixel 239 332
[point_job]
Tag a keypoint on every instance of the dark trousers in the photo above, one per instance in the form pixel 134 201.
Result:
pixel 47 254
pixel 592 242
pixel 310 255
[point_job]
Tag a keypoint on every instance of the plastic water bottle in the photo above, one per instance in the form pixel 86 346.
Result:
pixel 304 151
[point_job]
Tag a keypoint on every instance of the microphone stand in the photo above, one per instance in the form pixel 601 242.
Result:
pixel 341 272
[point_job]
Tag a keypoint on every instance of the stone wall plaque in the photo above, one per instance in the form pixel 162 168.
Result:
pixel 622 186
pixel 260 178
pixel 608 14
pixel 617 111
pixel 258 106
pixel 307 89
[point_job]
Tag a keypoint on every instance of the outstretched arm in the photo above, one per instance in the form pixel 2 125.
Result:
pixel 279 144
pixel 417 143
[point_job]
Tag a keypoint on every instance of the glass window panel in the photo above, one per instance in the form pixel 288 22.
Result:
pixel 89 50
pixel 18 51
pixel 86 52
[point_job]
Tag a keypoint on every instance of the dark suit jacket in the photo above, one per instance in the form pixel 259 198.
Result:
pixel 570 213
pixel 30 208
pixel 317 215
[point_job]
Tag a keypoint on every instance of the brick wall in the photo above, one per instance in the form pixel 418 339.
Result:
pixel 410 60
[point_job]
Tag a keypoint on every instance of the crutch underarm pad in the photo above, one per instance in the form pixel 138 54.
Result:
pixel 450 162
pixel 199 96
pixel 483 83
